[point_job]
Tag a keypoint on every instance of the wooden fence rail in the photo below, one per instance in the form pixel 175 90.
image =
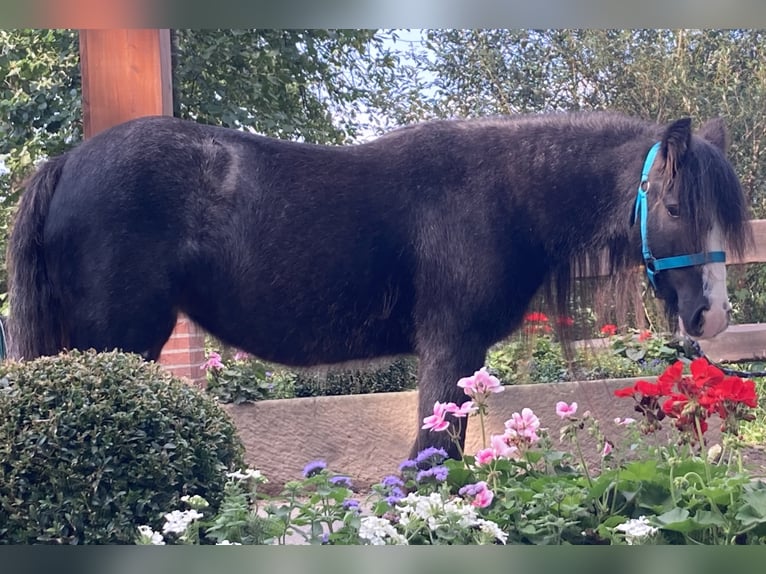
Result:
pixel 744 342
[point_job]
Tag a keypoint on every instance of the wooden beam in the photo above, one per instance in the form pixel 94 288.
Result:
pixel 755 255
pixel 125 74
pixel 745 342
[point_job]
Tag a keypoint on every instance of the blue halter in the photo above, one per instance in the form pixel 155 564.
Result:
pixel 654 266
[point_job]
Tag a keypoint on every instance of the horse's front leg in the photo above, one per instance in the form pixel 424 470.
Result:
pixel 441 365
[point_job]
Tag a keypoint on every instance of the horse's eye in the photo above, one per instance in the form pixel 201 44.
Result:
pixel 673 210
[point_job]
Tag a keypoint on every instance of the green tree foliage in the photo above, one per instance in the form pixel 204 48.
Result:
pixel 39 98
pixel 294 84
pixel 656 74
pixel 39 110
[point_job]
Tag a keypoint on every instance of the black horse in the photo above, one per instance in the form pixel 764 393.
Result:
pixel 432 239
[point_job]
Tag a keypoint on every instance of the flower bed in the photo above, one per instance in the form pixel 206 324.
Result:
pixel 367 436
pixel 667 478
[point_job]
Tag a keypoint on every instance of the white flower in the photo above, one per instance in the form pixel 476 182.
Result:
pixel 434 512
pixel 248 473
pixel 636 529
pixel 149 536
pixel 227 543
pixel 379 531
pixel 491 528
pixel 177 521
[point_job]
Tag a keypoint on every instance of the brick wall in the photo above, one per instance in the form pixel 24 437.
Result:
pixel 184 353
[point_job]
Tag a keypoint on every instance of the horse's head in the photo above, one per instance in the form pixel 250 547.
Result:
pixel 695 212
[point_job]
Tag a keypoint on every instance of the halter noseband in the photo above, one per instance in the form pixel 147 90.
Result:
pixel 652 265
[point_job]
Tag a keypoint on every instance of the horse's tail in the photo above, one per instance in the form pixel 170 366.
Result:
pixel 35 325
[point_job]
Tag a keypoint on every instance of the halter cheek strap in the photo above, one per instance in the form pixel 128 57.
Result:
pixel 652 265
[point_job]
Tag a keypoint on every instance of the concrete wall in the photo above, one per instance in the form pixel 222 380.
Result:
pixel 367 436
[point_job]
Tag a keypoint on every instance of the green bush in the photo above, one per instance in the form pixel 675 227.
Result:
pixel 93 445
pixel 539 358
pixel 400 375
pixel 523 360
pixel 235 377
pixel 246 380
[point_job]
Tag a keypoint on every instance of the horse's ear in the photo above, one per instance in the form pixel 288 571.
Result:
pixel 715 132
pixel 675 143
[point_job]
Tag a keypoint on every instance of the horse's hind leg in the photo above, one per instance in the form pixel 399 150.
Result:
pixel 443 361
pixel 132 325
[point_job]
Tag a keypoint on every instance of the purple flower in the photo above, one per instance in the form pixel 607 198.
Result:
pixel 313 468
pixel 213 362
pixel 438 473
pixel 391 481
pixel 394 496
pixel 351 504
pixel 472 489
pixel 408 464
pixel 241 356
pixel 425 455
pixel 341 481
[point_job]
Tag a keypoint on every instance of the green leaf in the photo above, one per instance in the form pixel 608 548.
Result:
pixel 635 354
pixel 640 471
pixel 602 484
pixel 677 520
pixel 709 518
pixel 753 511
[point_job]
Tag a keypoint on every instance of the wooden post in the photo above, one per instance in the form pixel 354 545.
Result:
pixel 126 74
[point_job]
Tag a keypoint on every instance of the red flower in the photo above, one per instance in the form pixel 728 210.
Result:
pixel 565 321
pixel 693 399
pixel 536 317
pixel 674 406
pixel 644 335
pixel 705 374
pixel 686 424
pixel 625 392
pixel 736 390
pixel 609 330
pixel 651 389
pixel 672 376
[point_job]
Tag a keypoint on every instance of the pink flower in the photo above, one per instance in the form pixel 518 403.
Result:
pixel 483 498
pixel 607 449
pixel 436 421
pixel 502 448
pixel 485 456
pixel 241 356
pixel 213 362
pixel 524 424
pixel 479 495
pixel 461 411
pixel 564 410
pixel 480 384
pixel 624 422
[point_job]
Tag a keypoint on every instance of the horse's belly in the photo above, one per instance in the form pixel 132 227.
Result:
pixel 300 332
